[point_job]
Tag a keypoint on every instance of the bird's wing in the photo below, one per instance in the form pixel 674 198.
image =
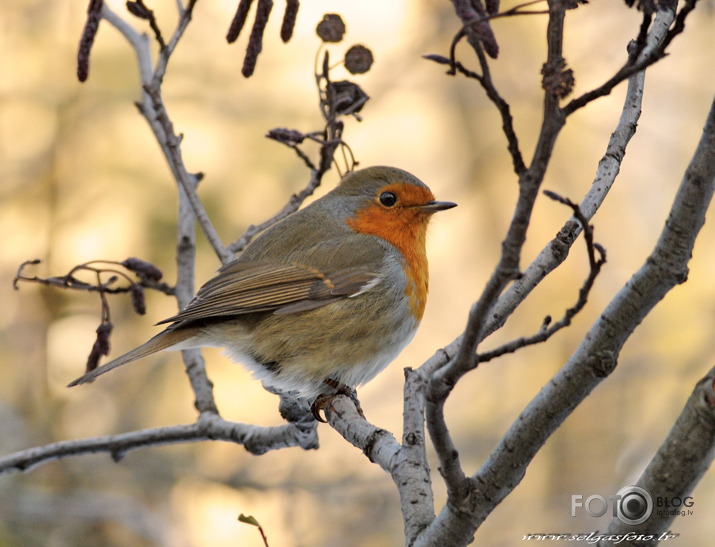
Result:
pixel 247 287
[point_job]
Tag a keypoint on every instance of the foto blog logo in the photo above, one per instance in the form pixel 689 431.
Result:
pixel 632 505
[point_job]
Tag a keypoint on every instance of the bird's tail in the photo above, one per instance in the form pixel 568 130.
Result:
pixel 163 340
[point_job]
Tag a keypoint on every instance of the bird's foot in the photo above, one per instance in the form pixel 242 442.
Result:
pixel 324 399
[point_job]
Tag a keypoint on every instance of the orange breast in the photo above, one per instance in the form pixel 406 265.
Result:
pixel 405 227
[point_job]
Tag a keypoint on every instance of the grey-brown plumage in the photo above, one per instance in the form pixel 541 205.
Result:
pixel 322 295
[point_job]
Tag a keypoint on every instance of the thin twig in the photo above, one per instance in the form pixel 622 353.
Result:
pixel 508 267
pixel 597 355
pixel 256 439
pixel 141 10
pixel 633 66
pixel 485 78
pixel 153 109
pixel 190 207
pixel 69 281
pixel 171 146
pixel 139 42
pixel 460 488
pixel 549 328
pixel 556 251
pixel 165 53
pixel 330 139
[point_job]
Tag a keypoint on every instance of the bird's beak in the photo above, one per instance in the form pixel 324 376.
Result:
pixel 434 206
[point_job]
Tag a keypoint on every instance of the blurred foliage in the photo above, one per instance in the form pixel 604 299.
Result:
pixel 81 180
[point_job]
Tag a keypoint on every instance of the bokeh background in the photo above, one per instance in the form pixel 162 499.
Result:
pixel 82 179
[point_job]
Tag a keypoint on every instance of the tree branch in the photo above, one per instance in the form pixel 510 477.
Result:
pixel 379 445
pixel 549 328
pixel 597 355
pixel 256 439
pixel 411 473
pixel 656 51
pixel 557 250
pixel 154 111
pixel 190 207
pixel 185 15
pixel 443 380
pixel 680 462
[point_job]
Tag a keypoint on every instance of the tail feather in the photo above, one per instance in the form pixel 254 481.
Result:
pixel 163 340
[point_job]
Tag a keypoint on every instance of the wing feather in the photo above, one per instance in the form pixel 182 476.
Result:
pixel 249 287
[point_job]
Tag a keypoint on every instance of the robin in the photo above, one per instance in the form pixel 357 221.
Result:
pixel 323 300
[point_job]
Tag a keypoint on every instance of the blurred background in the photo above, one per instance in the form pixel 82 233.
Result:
pixel 82 179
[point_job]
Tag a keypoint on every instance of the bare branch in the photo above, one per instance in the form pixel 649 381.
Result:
pixel 139 9
pixel 557 250
pixel 256 439
pixel 185 289
pixel 472 18
pixel 411 472
pixel 165 52
pixel 597 355
pixel 139 42
pixel 608 169
pixel 680 462
pixel 594 360
pixel 69 281
pixel 377 444
pixel 549 328
pixel 493 94
pixel 155 112
pixel 443 380
pixel 333 105
pixel 190 206
pixel 655 52
pixel 508 267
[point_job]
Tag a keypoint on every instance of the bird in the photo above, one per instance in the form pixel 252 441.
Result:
pixel 323 300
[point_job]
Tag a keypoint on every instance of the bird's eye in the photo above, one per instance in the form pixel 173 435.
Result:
pixel 388 199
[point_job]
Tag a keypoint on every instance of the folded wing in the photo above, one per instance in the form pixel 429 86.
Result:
pixel 249 287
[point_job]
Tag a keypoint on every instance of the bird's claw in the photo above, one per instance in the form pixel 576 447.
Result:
pixel 324 399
